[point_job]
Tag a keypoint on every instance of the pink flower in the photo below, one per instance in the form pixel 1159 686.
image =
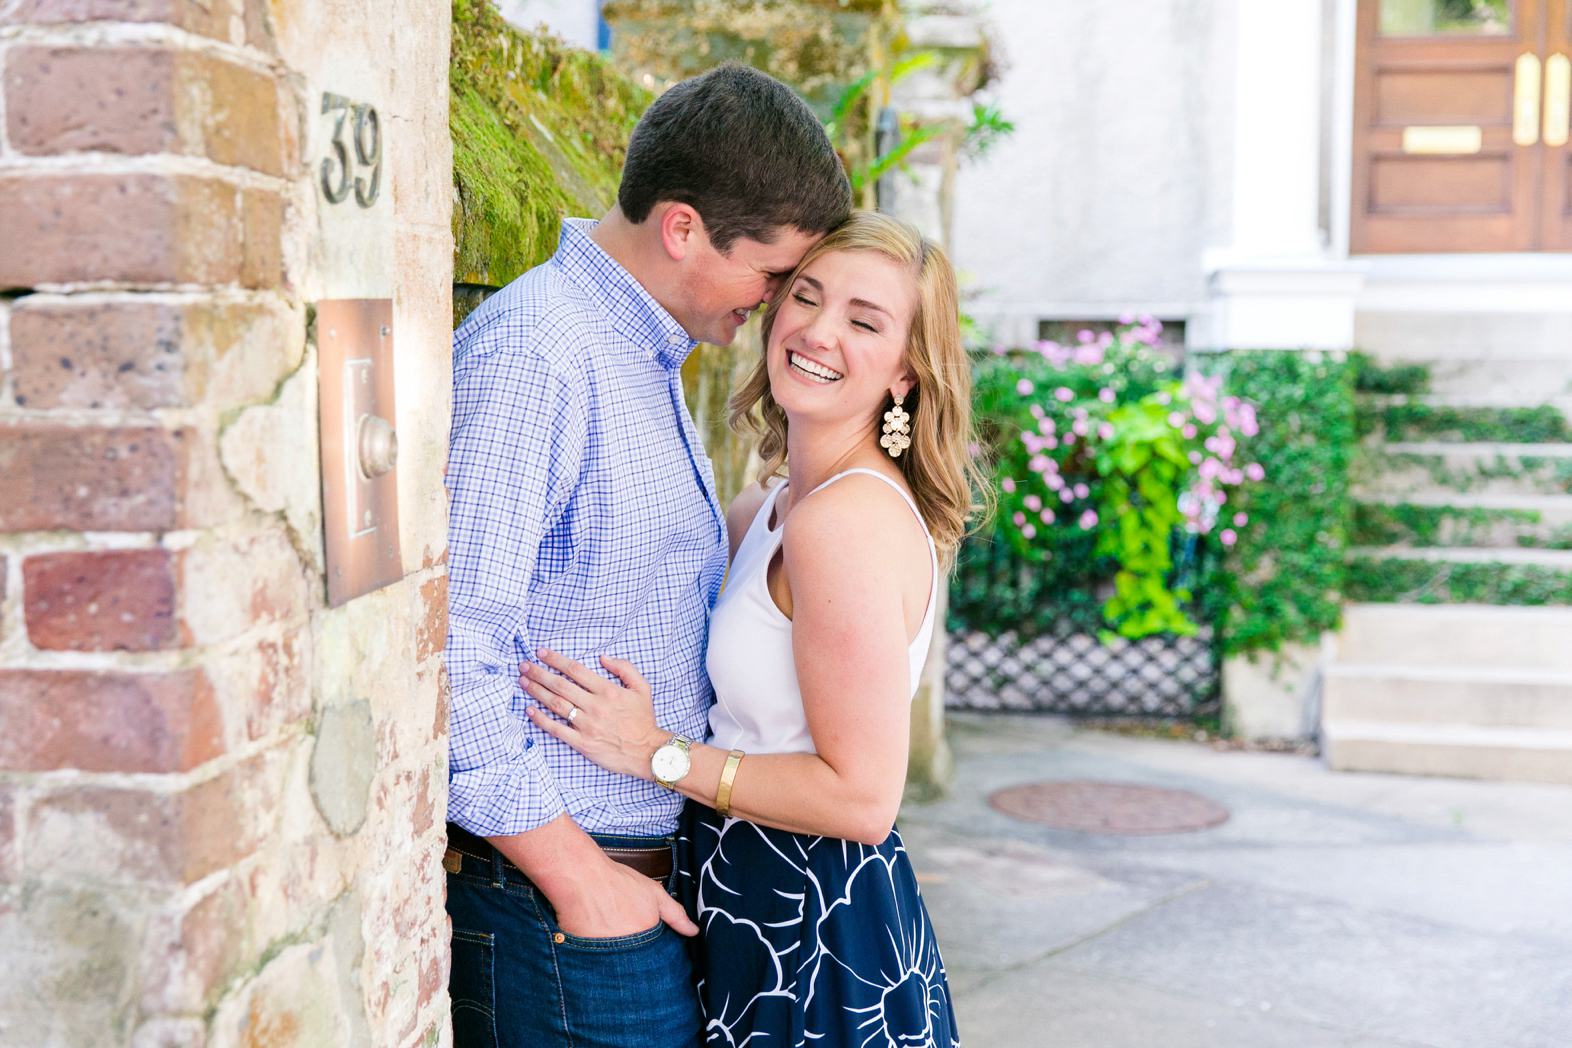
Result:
pixel 1050 442
pixel 1204 412
pixel 1053 480
pixel 1033 442
pixel 1066 495
pixel 1195 456
pixel 1069 438
pixel 1088 520
pixel 1029 532
pixel 1037 411
pixel 1033 503
pixel 1241 519
pixel 1080 427
pixel 1105 339
pixel 1081 491
pixel 1209 468
pixel 1045 425
pixel 1046 516
pixel 997 350
pixel 1175 419
pixel 1126 319
pixel 1038 463
pixel 1008 485
pixel 974 449
pixel 1053 467
pixel 1084 335
pixel 1228 536
pixel 1106 431
pixel 1105 395
pixel 1189 432
pixel 1163 397
pixel 1063 393
pixel 1019 518
pixel 1090 355
pixel 1255 472
pixel 1024 387
pixel 1247 423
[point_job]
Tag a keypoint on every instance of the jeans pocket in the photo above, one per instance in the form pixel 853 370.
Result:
pixel 616 942
pixel 472 988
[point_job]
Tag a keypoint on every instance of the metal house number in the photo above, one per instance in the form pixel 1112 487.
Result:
pixel 365 138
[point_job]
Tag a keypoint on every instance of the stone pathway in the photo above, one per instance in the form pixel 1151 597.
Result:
pixel 1330 909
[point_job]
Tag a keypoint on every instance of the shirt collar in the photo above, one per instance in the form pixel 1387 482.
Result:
pixel 632 310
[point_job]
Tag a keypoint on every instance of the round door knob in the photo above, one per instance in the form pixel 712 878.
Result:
pixel 377 445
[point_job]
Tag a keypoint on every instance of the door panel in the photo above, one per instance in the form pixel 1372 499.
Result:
pixel 1425 185
pixel 1447 73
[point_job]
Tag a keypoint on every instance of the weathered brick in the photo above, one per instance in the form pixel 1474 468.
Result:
pixel 103 600
pixel 140 100
pixel 7 833
pixel 431 636
pixel 115 99
pixel 145 836
pixel 107 721
pixel 212 18
pixel 230 585
pixel 129 354
pixel 132 228
pixel 68 958
pixel 262 261
pixel 98 355
pixel 90 479
pixel 189 953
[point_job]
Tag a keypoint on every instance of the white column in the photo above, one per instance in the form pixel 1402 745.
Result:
pixel 1278 284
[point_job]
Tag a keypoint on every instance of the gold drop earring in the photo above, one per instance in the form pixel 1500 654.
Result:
pixel 897 428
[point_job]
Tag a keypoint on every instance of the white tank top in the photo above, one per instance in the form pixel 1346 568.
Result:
pixel 758 705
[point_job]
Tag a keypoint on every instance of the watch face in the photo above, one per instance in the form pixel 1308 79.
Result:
pixel 669 763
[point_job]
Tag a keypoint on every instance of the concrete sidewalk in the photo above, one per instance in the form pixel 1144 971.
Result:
pixel 1330 909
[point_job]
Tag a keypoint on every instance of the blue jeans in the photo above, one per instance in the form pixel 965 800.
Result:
pixel 521 982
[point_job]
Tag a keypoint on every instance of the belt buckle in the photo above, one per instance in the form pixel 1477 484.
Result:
pixel 452 861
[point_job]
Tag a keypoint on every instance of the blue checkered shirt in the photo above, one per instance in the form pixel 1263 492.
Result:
pixel 583 519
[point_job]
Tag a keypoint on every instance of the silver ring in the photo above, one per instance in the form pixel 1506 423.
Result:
pixel 573 713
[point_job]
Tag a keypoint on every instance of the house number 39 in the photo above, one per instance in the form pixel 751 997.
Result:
pixel 365 138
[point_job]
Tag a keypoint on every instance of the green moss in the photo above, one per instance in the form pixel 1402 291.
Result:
pixel 539 131
pixel 1549 476
pixel 1411 525
pixel 1391 580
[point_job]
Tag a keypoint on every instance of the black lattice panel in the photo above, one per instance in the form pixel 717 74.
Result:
pixel 1160 676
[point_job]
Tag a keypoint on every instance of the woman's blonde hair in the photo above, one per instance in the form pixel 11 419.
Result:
pixel 939 468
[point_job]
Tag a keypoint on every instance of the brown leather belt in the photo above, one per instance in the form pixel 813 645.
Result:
pixel 651 862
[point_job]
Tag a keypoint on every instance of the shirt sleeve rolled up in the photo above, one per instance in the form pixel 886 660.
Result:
pixel 514 458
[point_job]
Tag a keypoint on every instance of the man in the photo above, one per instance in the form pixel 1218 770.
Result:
pixel 584 519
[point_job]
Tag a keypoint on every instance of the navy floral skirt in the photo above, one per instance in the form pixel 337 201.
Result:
pixel 809 942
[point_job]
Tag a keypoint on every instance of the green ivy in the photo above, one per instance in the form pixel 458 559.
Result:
pixel 1372 377
pixel 1283 581
pixel 1544 424
pixel 1391 579
pixel 1407 524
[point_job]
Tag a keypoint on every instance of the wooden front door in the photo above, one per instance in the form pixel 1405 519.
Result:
pixel 1460 126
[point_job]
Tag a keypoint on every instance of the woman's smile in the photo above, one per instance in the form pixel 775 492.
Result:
pixel 812 368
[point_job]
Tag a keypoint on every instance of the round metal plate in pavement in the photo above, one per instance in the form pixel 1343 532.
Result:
pixel 1109 807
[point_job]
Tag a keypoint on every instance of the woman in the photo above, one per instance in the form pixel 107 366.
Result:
pixel 812 929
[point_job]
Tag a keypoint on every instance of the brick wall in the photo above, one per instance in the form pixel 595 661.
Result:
pixel 220 800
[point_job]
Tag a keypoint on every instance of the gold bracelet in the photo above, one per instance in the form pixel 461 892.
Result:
pixel 723 791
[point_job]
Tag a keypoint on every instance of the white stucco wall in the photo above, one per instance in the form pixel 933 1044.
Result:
pixel 1118 175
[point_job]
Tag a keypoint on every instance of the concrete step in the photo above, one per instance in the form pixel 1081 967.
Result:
pixel 1431 469
pixel 1556 559
pixel 1464 519
pixel 1478 696
pixel 1464 751
pixel 1478 635
pixel 1503 380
